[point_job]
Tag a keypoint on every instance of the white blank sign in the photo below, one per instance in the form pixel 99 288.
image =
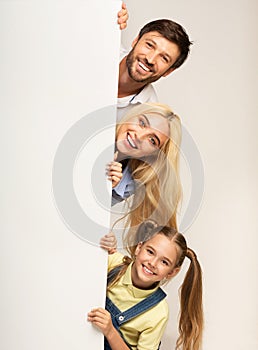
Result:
pixel 59 63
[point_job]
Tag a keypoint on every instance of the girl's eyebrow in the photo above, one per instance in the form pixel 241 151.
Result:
pixel 164 257
pixel 149 125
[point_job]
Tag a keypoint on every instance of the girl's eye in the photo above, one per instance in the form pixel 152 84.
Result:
pixel 149 251
pixel 164 262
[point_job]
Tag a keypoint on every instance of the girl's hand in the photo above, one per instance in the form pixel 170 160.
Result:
pixel 102 320
pixel 122 17
pixel 109 243
pixel 114 172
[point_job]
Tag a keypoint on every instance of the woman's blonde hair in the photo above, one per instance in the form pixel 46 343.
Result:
pixel 158 187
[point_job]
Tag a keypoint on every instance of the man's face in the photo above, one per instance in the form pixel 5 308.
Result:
pixel 151 58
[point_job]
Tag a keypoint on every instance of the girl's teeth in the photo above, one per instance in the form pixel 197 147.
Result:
pixel 147 270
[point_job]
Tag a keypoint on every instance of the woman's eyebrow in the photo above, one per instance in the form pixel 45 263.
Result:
pixel 149 125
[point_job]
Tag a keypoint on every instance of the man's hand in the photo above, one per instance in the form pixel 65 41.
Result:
pixel 122 17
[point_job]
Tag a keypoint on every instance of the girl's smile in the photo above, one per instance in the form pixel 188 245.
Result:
pixel 155 260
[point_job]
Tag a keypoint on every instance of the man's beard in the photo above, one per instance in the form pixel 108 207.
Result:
pixel 129 63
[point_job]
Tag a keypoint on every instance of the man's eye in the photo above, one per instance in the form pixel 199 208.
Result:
pixel 165 59
pixel 149 44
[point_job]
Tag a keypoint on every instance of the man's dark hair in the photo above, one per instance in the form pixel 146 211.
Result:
pixel 172 31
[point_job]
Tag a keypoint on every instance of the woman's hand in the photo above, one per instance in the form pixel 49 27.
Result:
pixel 102 320
pixel 109 243
pixel 114 172
pixel 122 17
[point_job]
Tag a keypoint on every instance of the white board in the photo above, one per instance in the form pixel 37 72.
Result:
pixel 59 65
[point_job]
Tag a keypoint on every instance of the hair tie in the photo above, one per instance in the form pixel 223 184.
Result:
pixel 191 254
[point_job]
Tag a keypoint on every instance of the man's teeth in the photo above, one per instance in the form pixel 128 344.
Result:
pixel 144 67
pixel 130 140
pixel 147 270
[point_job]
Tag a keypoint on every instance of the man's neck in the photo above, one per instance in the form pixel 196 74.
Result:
pixel 126 85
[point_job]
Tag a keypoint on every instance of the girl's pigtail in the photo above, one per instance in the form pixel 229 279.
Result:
pixel 121 269
pixel 191 313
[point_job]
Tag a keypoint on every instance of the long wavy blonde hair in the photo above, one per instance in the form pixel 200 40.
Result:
pixel 158 187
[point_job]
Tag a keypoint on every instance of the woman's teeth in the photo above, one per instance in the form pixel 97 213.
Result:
pixel 131 142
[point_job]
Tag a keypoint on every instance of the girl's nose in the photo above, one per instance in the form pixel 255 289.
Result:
pixel 152 262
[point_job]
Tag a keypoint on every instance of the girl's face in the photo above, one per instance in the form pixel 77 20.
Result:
pixel 142 135
pixel 155 260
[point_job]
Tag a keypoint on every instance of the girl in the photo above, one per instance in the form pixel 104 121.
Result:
pixel 147 164
pixel 136 312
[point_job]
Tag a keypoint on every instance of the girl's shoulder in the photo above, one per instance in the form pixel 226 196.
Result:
pixel 114 260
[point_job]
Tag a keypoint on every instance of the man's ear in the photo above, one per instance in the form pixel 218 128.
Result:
pixel 135 41
pixel 173 273
pixel 170 70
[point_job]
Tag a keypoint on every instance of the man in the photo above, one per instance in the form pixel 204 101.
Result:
pixel 161 47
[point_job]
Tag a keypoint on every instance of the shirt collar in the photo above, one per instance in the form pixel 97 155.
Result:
pixel 137 293
pixel 141 97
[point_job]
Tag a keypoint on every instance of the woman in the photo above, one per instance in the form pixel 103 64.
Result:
pixel 147 164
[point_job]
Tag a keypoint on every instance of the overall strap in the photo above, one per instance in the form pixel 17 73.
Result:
pixel 141 307
pixel 113 273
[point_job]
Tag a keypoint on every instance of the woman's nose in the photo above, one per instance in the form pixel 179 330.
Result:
pixel 142 135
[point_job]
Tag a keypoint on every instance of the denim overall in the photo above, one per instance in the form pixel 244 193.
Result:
pixel 119 318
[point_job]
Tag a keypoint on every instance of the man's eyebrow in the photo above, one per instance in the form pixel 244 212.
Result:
pixel 152 41
pixel 155 44
pixel 149 125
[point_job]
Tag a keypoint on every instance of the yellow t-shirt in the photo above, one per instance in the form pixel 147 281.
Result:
pixel 144 331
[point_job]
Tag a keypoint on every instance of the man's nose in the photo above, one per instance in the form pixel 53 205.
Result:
pixel 151 58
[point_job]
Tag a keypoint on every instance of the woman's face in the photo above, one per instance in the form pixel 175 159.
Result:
pixel 142 135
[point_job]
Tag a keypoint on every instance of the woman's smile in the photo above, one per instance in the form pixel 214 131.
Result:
pixel 142 135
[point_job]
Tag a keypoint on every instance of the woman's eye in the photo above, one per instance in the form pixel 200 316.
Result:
pixel 142 123
pixel 149 44
pixel 153 141
pixel 149 251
